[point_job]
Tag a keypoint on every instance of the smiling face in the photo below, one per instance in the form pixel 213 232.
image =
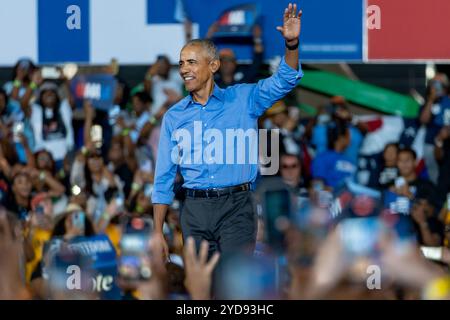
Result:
pixel 197 68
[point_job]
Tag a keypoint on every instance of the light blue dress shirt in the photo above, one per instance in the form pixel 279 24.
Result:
pixel 212 161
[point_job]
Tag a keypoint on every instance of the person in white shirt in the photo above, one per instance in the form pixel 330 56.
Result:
pixel 51 121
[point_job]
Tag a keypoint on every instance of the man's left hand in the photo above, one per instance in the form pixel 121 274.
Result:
pixel 291 24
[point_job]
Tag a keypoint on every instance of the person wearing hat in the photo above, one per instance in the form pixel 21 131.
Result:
pixel 218 208
pixel 51 121
pixel 290 133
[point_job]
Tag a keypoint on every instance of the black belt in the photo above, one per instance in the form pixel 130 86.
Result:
pixel 216 192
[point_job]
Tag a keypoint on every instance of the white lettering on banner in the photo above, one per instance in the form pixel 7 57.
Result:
pixel 102 283
pixel 74 280
pixel 73 22
pixel 374 280
pixel 99 283
pixel 345 166
pixel 91 247
pixel 92 91
pixel 237 17
pixel 373 17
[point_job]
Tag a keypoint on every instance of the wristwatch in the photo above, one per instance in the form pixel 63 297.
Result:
pixel 294 47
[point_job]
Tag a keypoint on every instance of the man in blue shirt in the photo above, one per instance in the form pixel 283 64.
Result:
pixel 218 206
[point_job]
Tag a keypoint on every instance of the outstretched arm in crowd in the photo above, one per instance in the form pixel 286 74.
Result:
pixel 89 114
pixel 28 153
pixel 11 284
pixel 425 115
pixel 199 270
pixel 36 80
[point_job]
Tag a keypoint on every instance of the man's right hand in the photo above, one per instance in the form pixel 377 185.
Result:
pixel 161 240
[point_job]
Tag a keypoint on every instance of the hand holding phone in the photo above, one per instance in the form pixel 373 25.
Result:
pixel 432 253
pixel 78 220
pixel 134 262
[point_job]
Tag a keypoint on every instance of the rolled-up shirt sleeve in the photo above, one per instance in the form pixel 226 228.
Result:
pixel 166 169
pixel 270 90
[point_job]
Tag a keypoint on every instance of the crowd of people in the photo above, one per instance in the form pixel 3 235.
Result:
pixel 67 173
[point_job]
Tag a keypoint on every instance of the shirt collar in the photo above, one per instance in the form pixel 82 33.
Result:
pixel 217 93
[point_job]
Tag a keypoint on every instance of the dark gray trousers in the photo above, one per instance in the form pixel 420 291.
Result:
pixel 227 222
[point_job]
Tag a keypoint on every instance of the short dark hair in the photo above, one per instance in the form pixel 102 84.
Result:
pixel 336 129
pixel 296 156
pixel 143 96
pixel 408 150
pixel 392 144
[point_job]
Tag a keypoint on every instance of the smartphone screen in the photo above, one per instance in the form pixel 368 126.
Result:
pixel 50 73
pixel 97 136
pixel 432 253
pixel 78 220
pixel 134 262
pixel 277 211
pixel 18 128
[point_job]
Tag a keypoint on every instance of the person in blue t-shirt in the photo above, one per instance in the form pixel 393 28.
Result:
pixel 334 166
pixel 338 110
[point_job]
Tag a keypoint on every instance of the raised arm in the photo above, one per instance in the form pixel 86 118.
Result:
pixel 291 32
pixel 285 79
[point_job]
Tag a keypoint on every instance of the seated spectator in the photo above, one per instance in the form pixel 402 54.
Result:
pixel 334 166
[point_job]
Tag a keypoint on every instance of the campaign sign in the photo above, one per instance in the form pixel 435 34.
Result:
pixel 100 251
pixel 396 204
pixel 98 88
pixel 238 21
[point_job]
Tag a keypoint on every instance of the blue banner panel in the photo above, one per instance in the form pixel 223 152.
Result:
pixel 63 31
pixel 331 30
pixel 98 88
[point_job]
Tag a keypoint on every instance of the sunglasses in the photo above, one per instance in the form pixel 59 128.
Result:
pixel 291 166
